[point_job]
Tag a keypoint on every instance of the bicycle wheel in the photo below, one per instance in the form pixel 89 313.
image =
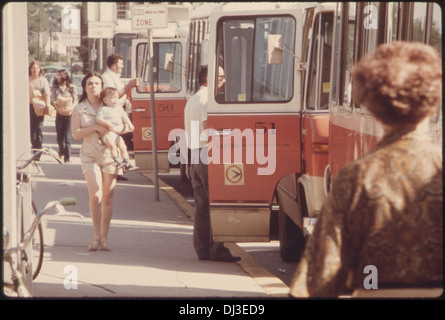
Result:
pixel 37 247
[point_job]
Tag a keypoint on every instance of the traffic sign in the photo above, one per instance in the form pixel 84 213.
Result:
pixel 149 17
pixel 101 29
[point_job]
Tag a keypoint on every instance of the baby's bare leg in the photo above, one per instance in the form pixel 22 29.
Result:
pixel 110 142
pixel 122 148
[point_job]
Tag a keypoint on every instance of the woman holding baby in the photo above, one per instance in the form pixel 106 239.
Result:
pixel 97 164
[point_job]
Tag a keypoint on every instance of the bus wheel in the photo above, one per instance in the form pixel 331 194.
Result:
pixel 292 240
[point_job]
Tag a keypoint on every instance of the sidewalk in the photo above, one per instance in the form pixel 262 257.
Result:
pixel 152 253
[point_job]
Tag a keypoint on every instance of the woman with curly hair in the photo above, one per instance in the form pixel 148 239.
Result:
pixel 384 211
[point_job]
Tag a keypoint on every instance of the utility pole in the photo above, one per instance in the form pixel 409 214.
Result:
pixel 38 35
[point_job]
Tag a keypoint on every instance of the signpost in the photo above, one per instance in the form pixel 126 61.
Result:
pixel 101 25
pixel 101 29
pixel 150 17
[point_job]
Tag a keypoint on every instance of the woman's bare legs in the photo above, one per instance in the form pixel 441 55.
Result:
pixel 100 189
pixel 108 185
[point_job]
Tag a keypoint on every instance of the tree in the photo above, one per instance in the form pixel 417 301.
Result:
pixel 42 17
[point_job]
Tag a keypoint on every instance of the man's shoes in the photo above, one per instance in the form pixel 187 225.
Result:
pixel 227 259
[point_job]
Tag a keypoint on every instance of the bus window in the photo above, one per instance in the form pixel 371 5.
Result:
pixel 320 63
pixel 435 40
pixel 436 28
pixel 419 22
pixel 166 73
pixel 370 41
pixel 307 30
pixel 242 54
pixel 393 14
pixel 348 29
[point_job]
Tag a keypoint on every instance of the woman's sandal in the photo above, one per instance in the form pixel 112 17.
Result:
pixel 94 245
pixel 104 245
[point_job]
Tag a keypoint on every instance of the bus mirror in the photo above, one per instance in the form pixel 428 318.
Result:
pixel 274 49
pixel 169 62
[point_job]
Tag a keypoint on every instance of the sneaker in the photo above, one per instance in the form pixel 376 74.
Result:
pixel 121 165
pixel 130 167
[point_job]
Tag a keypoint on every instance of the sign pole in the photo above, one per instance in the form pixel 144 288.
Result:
pixel 153 116
pixel 142 17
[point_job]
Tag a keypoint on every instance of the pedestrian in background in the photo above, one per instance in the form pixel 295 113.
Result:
pixel 385 209
pixel 112 79
pixel 39 97
pixel 64 98
pixel 98 167
pixel 195 113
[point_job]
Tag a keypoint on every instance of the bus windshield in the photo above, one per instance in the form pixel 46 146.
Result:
pixel 167 67
pixel 242 55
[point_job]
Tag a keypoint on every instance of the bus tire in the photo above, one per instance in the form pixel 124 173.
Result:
pixel 292 240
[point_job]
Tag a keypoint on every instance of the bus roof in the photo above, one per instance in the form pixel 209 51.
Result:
pixel 205 10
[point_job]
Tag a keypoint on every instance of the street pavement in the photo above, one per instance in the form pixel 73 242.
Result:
pixel 152 254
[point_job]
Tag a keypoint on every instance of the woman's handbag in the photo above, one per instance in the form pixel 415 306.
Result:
pixel 38 103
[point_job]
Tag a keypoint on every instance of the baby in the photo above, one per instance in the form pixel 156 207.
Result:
pixel 113 116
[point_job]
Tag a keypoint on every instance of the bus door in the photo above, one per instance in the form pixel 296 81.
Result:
pixel 170 93
pixel 255 121
pixel 300 195
pixel 315 114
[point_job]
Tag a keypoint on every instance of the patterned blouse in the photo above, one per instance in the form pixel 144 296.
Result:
pixel 384 210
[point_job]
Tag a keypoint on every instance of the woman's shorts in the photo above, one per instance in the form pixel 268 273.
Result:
pixel 96 155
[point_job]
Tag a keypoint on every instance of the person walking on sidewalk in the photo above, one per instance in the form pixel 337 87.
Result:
pixel 64 98
pixel 98 167
pixel 38 88
pixel 196 114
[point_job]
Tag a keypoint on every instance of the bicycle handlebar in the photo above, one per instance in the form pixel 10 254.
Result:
pixel 68 201
pixel 39 152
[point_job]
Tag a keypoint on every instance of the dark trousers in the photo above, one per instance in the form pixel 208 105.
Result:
pixel 63 129
pixel 36 128
pixel 202 232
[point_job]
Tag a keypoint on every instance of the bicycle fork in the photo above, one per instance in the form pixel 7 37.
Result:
pixel 18 284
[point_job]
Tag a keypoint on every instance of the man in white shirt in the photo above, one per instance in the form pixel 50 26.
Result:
pixel 195 122
pixel 111 77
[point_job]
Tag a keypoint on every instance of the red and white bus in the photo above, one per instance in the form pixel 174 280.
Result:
pixel 170 98
pixel 271 116
pixel 359 29
pixel 169 53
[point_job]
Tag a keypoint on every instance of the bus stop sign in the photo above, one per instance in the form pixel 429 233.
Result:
pixel 149 17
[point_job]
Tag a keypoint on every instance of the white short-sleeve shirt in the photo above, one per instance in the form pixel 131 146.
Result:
pixel 195 114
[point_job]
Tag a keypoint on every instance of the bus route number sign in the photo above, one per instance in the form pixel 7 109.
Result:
pixel 145 17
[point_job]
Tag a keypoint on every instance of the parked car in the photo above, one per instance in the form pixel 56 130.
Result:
pixel 54 68
pixel 77 81
pixel 50 77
